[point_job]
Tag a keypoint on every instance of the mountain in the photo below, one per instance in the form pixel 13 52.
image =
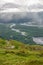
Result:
pixel 20 53
pixel 27 34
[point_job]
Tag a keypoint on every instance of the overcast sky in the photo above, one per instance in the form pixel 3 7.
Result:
pixel 24 5
pixel 9 6
pixel 22 2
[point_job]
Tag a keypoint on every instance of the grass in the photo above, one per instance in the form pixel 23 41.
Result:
pixel 16 53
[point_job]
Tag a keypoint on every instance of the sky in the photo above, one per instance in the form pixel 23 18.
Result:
pixel 24 5
pixel 21 2
pixel 15 6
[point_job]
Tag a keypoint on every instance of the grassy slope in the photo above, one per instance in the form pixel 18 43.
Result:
pixel 16 53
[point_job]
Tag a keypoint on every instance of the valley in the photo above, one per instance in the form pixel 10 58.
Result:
pixel 22 33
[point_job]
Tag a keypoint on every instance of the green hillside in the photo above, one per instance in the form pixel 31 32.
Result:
pixel 16 53
pixel 6 32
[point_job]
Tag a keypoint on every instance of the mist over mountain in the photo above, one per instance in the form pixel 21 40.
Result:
pixel 22 17
pixel 21 11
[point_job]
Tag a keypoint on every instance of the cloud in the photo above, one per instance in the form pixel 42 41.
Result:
pixel 10 9
pixel 21 2
pixel 21 5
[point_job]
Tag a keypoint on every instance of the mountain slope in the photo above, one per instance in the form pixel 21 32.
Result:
pixel 13 52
